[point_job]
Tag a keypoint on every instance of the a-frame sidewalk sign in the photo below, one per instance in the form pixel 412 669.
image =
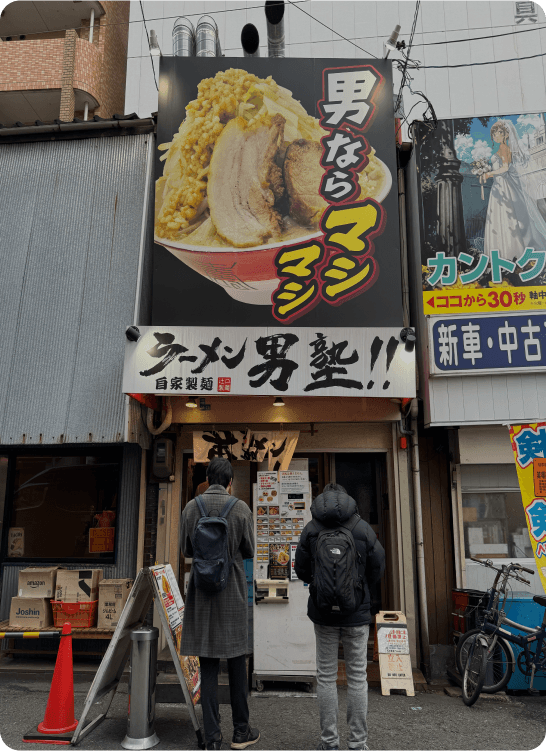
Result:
pixel 156 583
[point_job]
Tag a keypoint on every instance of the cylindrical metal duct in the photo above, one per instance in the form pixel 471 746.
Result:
pixel 274 13
pixel 250 41
pixel 207 42
pixel 142 681
pixel 183 38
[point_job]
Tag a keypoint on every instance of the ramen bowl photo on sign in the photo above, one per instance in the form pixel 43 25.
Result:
pixel 241 181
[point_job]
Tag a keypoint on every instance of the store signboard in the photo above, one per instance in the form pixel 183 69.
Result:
pixel 529 447
pixel 276 200
pixel 306 362
pixel 483 198
pixel 510 342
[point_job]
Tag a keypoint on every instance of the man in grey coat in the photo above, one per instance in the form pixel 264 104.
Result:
pixel 216 625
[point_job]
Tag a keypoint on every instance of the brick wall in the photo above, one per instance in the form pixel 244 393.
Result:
pixel 31 65
pixel 114 34
pixel 69 62
pixel 67 88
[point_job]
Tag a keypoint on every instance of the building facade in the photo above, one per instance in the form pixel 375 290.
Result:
pixel 57 66
pixel 71 443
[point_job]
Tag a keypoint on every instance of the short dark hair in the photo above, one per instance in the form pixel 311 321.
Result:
pixel 335 487
pixel 219 472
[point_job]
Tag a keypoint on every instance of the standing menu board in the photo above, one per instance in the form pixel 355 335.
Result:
pixel 172 604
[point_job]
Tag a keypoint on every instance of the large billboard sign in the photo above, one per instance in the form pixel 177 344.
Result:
pixel 277 253
pixel 276 200
pixel 483 193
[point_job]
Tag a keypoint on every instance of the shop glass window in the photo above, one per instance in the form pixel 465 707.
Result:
pixel 3 483
pixel 57 500
pixel 494 525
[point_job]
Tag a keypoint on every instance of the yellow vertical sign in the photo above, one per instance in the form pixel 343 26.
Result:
pixel 529 447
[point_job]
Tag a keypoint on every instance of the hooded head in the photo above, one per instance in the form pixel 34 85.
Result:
pixel 334 506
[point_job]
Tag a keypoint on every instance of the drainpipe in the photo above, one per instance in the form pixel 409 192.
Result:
pixel 85 111
pixel 419 541
pixel 274 13
pixel 250 41
pixel 91 25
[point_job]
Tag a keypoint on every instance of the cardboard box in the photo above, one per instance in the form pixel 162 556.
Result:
pixel 30 613
pixel 113 594
pixel 78 586
pixel 37 581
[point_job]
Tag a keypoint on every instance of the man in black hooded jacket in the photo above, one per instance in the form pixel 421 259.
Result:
pixel 335 508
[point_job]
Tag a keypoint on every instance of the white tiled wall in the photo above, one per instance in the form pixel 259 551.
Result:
pixel 502 88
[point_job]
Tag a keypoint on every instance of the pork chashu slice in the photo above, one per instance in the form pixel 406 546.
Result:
pixel 302 175
pixel 240 197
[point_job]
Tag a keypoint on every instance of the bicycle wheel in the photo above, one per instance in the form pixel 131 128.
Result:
pixel 500 664
pixel 474 672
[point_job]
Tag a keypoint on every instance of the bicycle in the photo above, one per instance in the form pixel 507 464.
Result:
pixel 484 655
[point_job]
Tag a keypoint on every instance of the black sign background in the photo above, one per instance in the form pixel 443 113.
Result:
pixel 181 296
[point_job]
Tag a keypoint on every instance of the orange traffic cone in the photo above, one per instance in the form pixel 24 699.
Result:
pixel 59 723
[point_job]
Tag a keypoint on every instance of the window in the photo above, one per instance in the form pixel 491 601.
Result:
pixel 3 483
pixel 57 500
pixel 494 525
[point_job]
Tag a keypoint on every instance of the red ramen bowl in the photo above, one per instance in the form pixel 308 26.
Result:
pixel 247 274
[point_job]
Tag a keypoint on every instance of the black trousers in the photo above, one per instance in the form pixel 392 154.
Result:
pixel 238 690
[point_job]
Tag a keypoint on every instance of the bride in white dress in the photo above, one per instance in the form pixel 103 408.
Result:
pixel 513 221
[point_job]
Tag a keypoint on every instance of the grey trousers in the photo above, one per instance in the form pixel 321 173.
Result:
pixel 355 648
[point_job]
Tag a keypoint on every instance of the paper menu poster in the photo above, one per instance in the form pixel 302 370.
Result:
pixel 268 487
pixel 170 594
pixel 293 481
pixel 293 576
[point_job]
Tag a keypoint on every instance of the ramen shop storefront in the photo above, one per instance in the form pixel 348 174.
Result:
pixel 278 336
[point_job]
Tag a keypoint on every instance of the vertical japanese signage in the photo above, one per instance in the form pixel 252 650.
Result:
pixel 276 207
pixel 529 446
pixel 483 193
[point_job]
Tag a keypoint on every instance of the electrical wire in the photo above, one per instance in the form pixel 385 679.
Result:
pixel 476 39
pixel 407 56
pixel 487 62
pixel 149 49
pixel 333 30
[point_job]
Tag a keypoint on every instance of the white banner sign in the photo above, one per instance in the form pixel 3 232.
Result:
pixel 255 361
pixel 277 447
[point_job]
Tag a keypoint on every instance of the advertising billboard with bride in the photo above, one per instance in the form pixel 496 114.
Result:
pixel 483 189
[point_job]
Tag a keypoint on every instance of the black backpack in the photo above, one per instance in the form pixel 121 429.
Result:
pixel 337 587
pixel 211 561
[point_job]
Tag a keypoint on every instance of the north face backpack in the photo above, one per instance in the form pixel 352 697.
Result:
pixel 337 587
pixel 211 561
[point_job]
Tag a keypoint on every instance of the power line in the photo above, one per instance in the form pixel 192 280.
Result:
pixel 488 62
pixel 475 39
pixel 407 56
pixel 149 48
pixel 332 30
pixel 157 18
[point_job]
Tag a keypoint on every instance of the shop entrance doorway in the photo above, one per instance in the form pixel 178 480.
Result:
pixel 362 474
pixel 364 477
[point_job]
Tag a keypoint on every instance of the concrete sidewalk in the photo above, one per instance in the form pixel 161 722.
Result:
pixel 430 720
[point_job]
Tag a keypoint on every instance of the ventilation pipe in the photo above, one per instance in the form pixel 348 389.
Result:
pixel 274 13
pixel 183 38
pixel 250 41
pixel 207 42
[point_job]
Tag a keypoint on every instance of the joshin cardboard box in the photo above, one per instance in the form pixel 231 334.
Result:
pixel 78 586
pixel 30 613
pixel 37 581
pixel 113 594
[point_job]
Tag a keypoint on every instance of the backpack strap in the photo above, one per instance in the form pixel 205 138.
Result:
pixel 353 521
pixel 229 505
pixel 201 506
pixel 318 525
